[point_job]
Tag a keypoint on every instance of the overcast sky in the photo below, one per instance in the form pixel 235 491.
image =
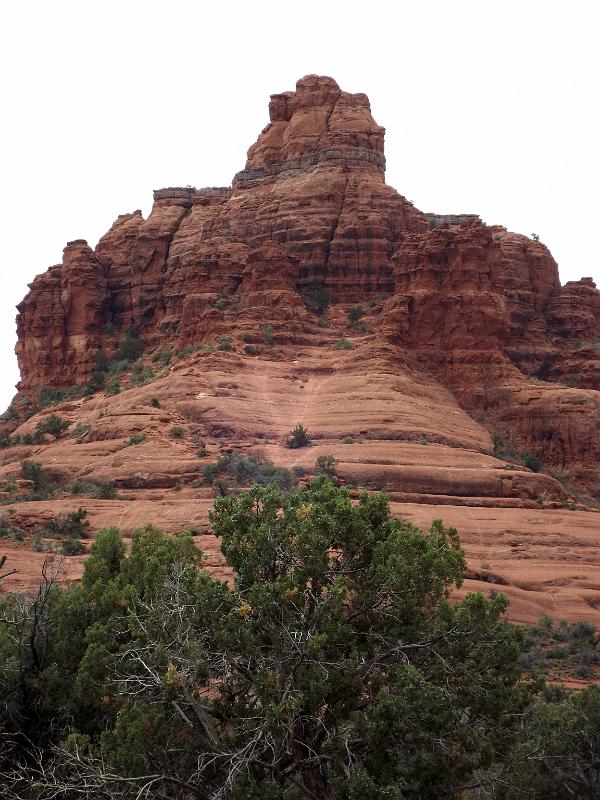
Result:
pixel 490 108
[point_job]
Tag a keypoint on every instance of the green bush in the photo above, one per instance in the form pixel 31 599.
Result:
pixel 343 344
pixel 316 297
pixel 224 343
pixel 73 547
pixel 200 446
pixel 267 335
pixel 33 471
pixel 53 425
pixel 298 437
pixel 136 438
pixel 246 470
pixel 177 432
pixel 531 461
pixel 326 464
pixel 251 349
pixel 355 313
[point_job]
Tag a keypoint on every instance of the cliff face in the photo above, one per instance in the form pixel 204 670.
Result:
pixel 466 329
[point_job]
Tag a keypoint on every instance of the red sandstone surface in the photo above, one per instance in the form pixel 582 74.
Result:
pixel 466 332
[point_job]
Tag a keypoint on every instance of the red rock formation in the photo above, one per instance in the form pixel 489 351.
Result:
pixel 466 330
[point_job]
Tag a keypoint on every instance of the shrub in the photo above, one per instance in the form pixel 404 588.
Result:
pixel 130 348
pixel 298 437
pixel 5 440
pixel 355 313
pixel 164 357
pixel 154 402
pixel 224 343
pixel 113 386
pixel 177 431
pixel 105 490
pixel 73 547
pixel 267 335
pixel 251 349
pixel 315 297
pixel 200 445
pixel 52 425
pixel 343 344
pixel 72 525
pixel 32 471
pixel 531 461
pixel 80 430
pixel 348 440
pixel 327 464
pixel 141 375
pixel 246 470
pixel 136 438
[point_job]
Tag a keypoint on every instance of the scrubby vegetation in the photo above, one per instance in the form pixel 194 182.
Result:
pixel 316 297
pixel 298 437
pixel 327 465
pixel 235 469
pixel 506 451
pixel 332 666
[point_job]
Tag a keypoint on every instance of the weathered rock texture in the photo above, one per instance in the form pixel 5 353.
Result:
pixel 466 331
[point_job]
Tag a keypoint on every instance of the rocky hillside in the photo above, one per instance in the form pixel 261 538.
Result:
pixel 432 356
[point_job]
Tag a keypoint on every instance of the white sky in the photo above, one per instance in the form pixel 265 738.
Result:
pixel 490 108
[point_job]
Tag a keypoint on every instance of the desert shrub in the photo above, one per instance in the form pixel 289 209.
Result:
pixel 298 437
pixel 154 402
pixel 136 438
pixel 200 446
pixel 130 348
pixel 251 349
pixel 80 430
pixel 355 313
pixel 343 344
pixel 316 297
pixel 141 375
pixel 267 336
pixel 224 343
pixel 113 386
pixel 73 547
pixel 163 357
pixel 5 440
pixel 71 525
pixel 53 425
pixel 326 464
pixel 242 470
pixel 246 337
pixel 531 461
pixel 105 490
pixel 33 471
pixel 348 440
pixel 177 431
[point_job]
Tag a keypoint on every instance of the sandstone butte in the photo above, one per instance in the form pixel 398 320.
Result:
pixel 467 332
